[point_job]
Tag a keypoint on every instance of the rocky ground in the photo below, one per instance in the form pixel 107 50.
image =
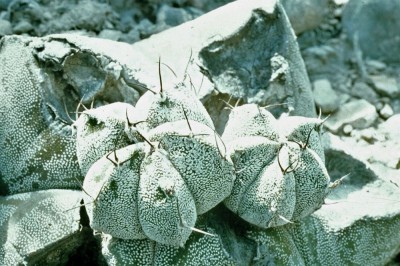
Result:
pixel 351 50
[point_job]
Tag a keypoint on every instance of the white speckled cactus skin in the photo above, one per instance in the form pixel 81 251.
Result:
pixel 170 105
pixel 155 188
pixel 99 131
pixel 37 151
pixel 280 178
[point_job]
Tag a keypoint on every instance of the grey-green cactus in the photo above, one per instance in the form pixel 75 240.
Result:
pixel 155 188
pixel 101 130
pixel 280 178
pixel 37 150
pixel 199 250
pixel 169 105
pixel 32 222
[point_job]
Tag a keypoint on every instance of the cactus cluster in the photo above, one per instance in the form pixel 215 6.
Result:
pixel 280 171
pixel 150 170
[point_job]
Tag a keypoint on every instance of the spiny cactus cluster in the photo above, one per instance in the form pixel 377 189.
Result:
pixel 150 170
pixel 280 171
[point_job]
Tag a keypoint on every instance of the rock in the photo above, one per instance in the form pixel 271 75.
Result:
pixel 344 98
pixel 88 15
pixel 4 4
pixel 146 28
pixel 316 58
pixel 375 66
pixel 372 146
pixel 172 16
pixel 5 27
pixel 208 5
pixel 324 96
pixel 132 36
pixel 391 127
pixel 114 35
pixel 360 114
pixel 376 40
pixel 347 129
pixel 362 91
pixel 374 212
pixel 39 227
pixel 22 27
pixel 386 86
pixel 305 15
pixel 341 2
pixel 219 55
pixel 386 111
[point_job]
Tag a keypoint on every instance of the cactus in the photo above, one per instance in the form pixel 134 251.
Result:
pixel 99 131
pixel 157 187
pixel 151 179
pixel 280 178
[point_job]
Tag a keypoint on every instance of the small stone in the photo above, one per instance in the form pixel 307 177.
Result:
pixel 386 111
pixel 344 98
pixel 23 27
pixel 375 65
pixel 359 114
pixel 4 4
pixel 172 16
pixel 307 14
pixel 347 129
pixel 5 27
pixel 363 91
pixel 385 85
pixel 146 28
pixel 368 135
pixel 340 2
pixel 132 36
pixel 392 125
pixel 325 97
pixel 113 35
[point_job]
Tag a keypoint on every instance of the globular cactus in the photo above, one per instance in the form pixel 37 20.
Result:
pixel 279 176
pixel 156 188
pixel 99 131
pixel 168 106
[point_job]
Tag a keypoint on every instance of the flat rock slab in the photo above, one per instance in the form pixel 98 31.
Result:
pixel 236 55
pixel 39 226
pixel 375 146
pixel 386 86
pixel 359 114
